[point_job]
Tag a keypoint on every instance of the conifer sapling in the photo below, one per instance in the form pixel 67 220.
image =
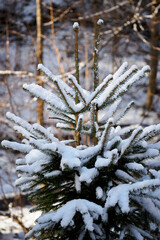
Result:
pixel 108 190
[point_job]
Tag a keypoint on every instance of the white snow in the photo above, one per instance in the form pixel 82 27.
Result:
pixel 52 77
pixel 100 22
pixel 68 159
pixel 24 148
pixel 24 180
pixel 77 183
pixel 155 173
pixel 112 87
pixel 53 173
pixel 89 211
pixel 134 166
pixel 35 156
pixel 120 70
pixel 102 162
pixel 135 233
pixel 75 25
pixel 128 142
pixel 111 111
pixel 45 95
pixel 44 132
pixel 10 229
pixel 102 85
pixel 99 192
pixel 83 93
pixel 124 176
pixel 19 121
pixel 20 161
pixel 150 207
pixel 63 125
pixel 150 153
pixel 120 193
pixel 23 132
pixel 87 175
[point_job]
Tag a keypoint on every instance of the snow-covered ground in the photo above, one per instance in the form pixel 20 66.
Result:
pixel 9 229
pixel 7 173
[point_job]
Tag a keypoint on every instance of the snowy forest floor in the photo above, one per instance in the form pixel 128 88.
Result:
pixel 9 229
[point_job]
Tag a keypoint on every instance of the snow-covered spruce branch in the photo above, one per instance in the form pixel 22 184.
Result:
pixel 54 78
pixel 46 96
pixel 78 88
pixel 89 211
pixel 120 193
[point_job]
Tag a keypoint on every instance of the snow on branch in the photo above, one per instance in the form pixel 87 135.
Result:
pixel 52 77
pixel 45 133
pixel 68 101
pixel 136 77
pixel 120 193
pixel 110 112
pixel 65 126
pixel 111 89
pixel 19 121
pixel 106 133
pixel 79 89
pixel 45 95
pixel 65 215
pixel 128 142
pixel 139 233
pixel 150 132
pixel 100 88
pixel 149 154
pixel 110 157
pixel 121 70
pixel 124 112
pixel 24 148
pixel 64 117
pixel 23 132
pixel 79 123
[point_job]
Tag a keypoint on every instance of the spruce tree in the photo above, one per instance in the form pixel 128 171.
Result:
pixel 108 190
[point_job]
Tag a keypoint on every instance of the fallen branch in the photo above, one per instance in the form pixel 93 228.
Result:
pixel 17 73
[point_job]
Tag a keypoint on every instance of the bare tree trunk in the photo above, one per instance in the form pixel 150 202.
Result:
pixel 59 60
pixel 8 67
pixel 114 44
pixel 154 58
pixel 40 105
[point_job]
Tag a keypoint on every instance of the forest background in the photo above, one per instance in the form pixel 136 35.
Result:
pixel 37 31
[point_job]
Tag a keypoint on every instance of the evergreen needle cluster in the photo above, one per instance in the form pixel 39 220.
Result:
pixel 108 190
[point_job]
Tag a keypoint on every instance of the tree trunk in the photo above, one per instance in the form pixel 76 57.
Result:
pixel 153 58
pixel 40 105
pixel 114 44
